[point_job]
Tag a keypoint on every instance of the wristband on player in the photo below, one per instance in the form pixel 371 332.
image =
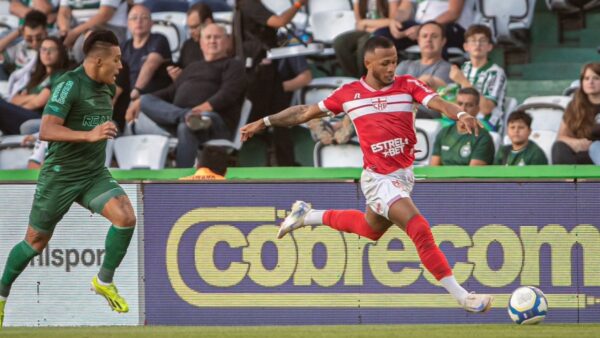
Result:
pixel 460 114
pixel 297 5
pixel 266 121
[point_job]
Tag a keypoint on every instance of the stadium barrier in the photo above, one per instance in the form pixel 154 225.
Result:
pixel 206 253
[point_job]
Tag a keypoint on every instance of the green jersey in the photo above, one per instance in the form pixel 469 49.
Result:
pixel 532 154
pixel 83 104
pixel 459 149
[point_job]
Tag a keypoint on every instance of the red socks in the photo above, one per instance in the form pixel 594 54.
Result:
pixel 431 255
pixel 352 221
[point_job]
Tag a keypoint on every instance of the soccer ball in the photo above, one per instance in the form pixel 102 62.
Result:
pixel 527 305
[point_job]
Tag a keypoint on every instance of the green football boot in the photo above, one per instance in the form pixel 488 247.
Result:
pixel 111 294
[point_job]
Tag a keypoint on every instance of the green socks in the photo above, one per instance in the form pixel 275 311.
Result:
pixel 19 257
pixel 117 241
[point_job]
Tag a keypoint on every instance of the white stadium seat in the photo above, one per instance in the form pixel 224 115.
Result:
pixel 177 19
pixel 315 6
pixel 236 144
pixel 545 116
pixel 326 26
pixel 171 32
pixel 320 88
pixel 338 155
pixel 141 151
pixel 560 100
pixel 497 140
pixel 426 130
pixel 545 139
pixel 12 154
pixel 504 17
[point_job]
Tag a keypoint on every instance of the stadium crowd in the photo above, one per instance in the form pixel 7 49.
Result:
pixel 194 91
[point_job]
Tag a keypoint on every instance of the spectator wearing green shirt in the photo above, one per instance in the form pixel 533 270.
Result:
pixel 521 151
pixel 454 146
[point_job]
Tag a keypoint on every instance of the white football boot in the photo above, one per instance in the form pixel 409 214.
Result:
pixel 478 302
pixel 295 219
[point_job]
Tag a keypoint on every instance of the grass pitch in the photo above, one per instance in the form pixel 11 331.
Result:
pixel 413 331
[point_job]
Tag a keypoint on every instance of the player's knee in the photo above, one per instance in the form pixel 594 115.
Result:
pixel 37 240
pixel 125 219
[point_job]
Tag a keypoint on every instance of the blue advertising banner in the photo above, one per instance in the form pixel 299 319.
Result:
pixel 211 256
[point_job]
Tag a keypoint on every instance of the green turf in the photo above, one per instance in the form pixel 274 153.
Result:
pixel 413 331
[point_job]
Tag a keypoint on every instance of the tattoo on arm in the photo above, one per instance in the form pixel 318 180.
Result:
pixel 291 116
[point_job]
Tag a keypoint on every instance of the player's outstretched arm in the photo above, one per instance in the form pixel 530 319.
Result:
pixel 291 116
pixel 52 129
pixel 454 112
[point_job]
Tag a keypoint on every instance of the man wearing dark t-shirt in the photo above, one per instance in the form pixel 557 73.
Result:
pixel 145 54
pixel 211 90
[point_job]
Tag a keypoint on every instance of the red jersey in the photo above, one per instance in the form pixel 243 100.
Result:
pixel 383 119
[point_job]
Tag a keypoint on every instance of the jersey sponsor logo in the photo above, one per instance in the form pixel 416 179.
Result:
pixel 94 120
pixel 391 147
pixel 379 103
pixel 62 90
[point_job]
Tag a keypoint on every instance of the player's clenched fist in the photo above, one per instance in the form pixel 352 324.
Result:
pixel 107 130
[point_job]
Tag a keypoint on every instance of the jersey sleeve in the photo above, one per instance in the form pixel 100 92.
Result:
pixel 159 44
pixel 538 157
pixel 483 149
pixel 421 92
pixel 62 98
pixel 334 103
pixel 494 85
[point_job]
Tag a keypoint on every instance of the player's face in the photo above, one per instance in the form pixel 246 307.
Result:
pixel 139 21
pixel 478 46
pixel 110 66
pixel 590 83
pixel 430 40
pixel 381 63
pixel 518 132
pixel 468 103
pixel 49 53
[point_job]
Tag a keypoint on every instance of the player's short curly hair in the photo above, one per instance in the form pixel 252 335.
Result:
pixel 375 42
pixel 99 39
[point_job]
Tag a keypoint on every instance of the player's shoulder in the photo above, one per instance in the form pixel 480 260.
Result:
pixel 349 89
pixel 72 75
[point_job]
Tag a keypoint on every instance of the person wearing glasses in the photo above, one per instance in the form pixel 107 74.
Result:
pixel 15 56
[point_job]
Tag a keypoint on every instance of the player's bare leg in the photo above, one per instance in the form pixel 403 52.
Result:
pixel 405 214
pixel 18 259
pixel 119 212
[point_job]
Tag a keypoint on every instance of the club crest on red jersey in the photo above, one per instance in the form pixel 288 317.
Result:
pixel 379 103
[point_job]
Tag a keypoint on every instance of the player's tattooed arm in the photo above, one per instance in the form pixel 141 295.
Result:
pixel 291 116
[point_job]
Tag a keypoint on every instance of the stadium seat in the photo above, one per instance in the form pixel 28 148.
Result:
pixel 560 100
pixel 13 155
pixel 171 32
pixel 505 17
pixel 320 88
pixel 110 149
pixel 223 17
pixel 338 155
pixel 545 115
pixel 545 139
pixel 141 151
pixel 236 144
pixel 315 6
pixel 497 140
pixel 426 130
pixel 327 25
pixel 4 89
pixel 7 20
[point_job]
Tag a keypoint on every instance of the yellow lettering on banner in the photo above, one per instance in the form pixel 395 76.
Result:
pixel 204 256
pixel 286 257
pixel 460 239
pixel 561 243
pixel 513 255
pixel 380 256
pixel 335 261
pixel 355 251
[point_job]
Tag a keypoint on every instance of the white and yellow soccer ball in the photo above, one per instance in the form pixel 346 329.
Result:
pixel 527 305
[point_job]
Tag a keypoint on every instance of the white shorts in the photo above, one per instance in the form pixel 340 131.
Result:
pixel 381 191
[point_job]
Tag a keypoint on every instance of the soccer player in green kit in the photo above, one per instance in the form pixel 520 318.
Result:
pixel 77 121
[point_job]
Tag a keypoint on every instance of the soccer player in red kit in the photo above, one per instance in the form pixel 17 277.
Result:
pixel 381 107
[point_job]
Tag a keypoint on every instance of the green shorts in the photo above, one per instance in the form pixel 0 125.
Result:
pixel 54 195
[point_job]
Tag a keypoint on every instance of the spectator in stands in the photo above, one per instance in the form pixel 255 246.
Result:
pixel 205 101
pixel 431 68
pixel 265 85
pixel 454 146
pixel 20 8
pixel 197 16
pixel 19 55
pixel 453 15
pixel 370 15
pixel 146 54
pixel 28 104
pixel 482 74
pixel 111 15
pixel 578 140
pixel 521 151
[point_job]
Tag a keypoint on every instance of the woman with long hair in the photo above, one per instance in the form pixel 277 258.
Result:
pixel 52 61
pixel 370 15
pixel 578 138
